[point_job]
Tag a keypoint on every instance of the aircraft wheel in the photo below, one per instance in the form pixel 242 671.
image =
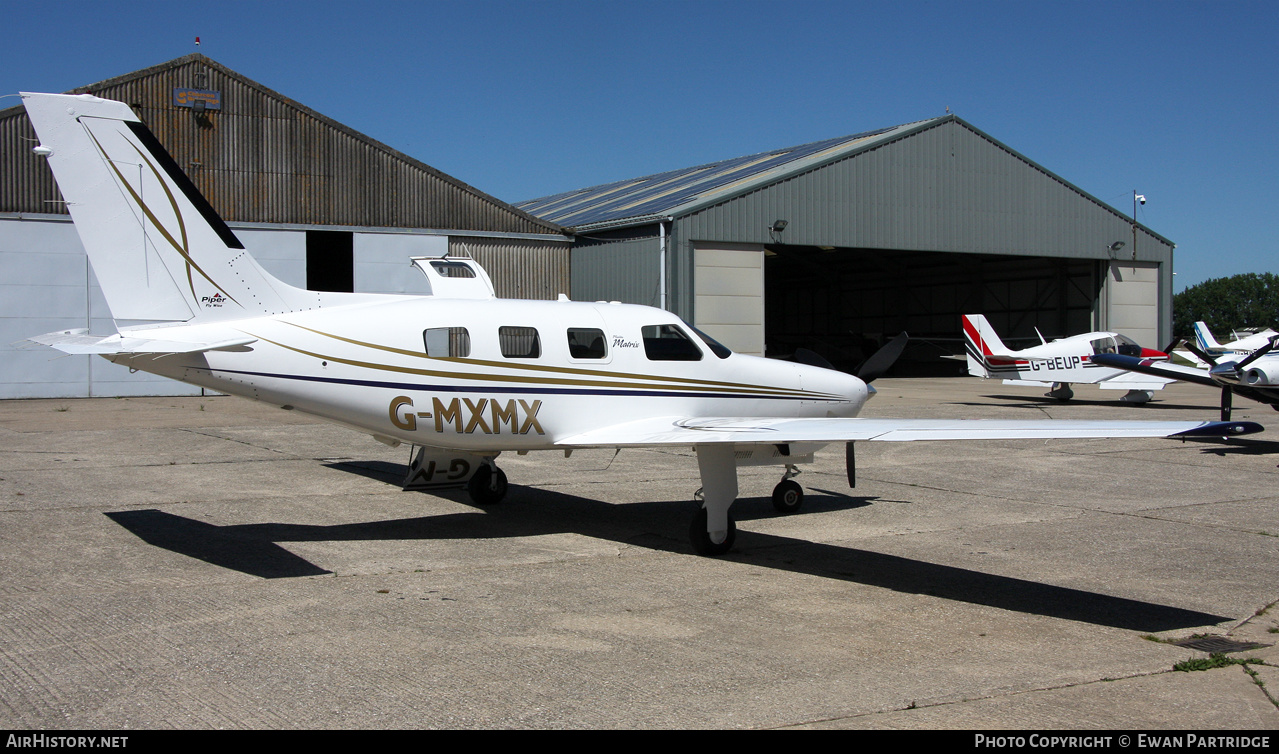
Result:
pixel 701 538
pixel 788 496
pixel 481 487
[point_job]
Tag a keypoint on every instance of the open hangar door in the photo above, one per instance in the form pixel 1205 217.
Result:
pixel 846 303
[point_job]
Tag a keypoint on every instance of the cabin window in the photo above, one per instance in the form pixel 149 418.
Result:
pixel 586 343
pixel 519 342
pixel 447 342
pixel 668 343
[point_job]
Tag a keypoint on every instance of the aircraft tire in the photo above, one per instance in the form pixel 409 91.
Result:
pixel 701 539
pixel 788 496
pixel 480 489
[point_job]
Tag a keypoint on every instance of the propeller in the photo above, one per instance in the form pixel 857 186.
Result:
pixel 872 369
pixel 883 359
pixel 1191 347
pixel 1235 371
pixel 811 358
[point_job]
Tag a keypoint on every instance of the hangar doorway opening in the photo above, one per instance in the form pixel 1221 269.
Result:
pixel 845 303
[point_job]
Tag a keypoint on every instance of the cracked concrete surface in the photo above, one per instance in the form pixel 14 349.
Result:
pixel 212 563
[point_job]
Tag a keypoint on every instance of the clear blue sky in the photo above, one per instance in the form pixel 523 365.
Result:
pixel 1177 100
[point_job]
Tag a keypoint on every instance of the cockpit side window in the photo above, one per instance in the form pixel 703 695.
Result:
pixel 447 342
pixel 668 343
pixel 1103 345
pixel 586 343
pixel 519 342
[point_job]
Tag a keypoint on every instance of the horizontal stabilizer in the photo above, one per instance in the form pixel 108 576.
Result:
pixel 80 342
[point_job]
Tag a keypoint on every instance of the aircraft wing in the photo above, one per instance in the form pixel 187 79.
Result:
pixel 1163 369
pixel 1131 380
pixel 80 342
pixel 670 430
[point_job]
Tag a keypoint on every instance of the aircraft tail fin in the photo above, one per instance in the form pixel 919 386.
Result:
pixel 157 247
pixel 983 346
pixel 1206 341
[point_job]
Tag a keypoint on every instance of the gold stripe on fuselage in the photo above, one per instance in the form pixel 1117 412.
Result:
pixel 644 380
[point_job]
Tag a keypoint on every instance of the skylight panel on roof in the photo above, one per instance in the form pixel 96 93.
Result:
pixel 588 197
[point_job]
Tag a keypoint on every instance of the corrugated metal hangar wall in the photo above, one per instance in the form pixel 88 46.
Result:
pixel 318 204
pixel 838 245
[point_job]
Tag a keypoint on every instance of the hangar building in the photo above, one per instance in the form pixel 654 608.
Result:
pixel 320 205
pixel 837 245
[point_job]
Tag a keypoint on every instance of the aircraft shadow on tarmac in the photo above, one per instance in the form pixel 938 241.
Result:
pixel 255 549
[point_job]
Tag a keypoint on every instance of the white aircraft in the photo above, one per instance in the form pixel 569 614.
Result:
pixel 1235 349
pixel 1058 363
pixel 460 374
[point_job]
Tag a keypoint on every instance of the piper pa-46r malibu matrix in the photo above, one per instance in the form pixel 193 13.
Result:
pixel 459 373
pixel 1058 363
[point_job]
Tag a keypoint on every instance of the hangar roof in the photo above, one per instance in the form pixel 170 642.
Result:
pixel 1001 191
pixel 262 157
pixel 676 192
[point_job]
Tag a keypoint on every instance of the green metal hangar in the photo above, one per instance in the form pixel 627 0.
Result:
pixel 837 245
pixel 320 205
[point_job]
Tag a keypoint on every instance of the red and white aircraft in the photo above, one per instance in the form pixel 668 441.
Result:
pixel 1059 363
pixel 459 373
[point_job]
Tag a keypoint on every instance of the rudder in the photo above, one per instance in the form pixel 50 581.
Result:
pixel 981 343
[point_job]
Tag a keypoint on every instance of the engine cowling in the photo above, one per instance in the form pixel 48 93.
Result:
pixel 1262 375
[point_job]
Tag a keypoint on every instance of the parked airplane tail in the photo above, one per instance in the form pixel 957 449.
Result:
pixel 984 347
pixel 157 247
pixel 1207 342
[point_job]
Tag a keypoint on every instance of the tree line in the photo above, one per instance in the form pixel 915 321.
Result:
pixel 1226 304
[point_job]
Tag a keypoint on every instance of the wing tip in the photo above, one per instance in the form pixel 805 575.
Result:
pixel 1221 429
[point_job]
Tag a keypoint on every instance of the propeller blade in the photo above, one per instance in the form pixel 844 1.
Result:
pixel 850 464
pixel 1173 345
pixel 1191 347
pixel 1226 397
pixel 811 358
pixel 883 359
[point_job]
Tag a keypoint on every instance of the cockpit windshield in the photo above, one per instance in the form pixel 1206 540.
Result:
pixel 1120 344
pixel 1127 346
pixel 717 348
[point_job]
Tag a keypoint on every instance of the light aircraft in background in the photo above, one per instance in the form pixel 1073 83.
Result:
pixel 1253 374
pixel 1234 350
pixel 458 374
pixel 1059 363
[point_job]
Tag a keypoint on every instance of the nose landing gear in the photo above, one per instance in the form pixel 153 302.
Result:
pixel 788 496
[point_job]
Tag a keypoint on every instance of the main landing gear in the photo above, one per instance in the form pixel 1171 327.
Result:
pixel 712 530
pixel 488 485
pixel 1061 391
pixel 440 469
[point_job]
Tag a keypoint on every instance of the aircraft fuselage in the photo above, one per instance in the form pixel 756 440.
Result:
pixel 495 374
